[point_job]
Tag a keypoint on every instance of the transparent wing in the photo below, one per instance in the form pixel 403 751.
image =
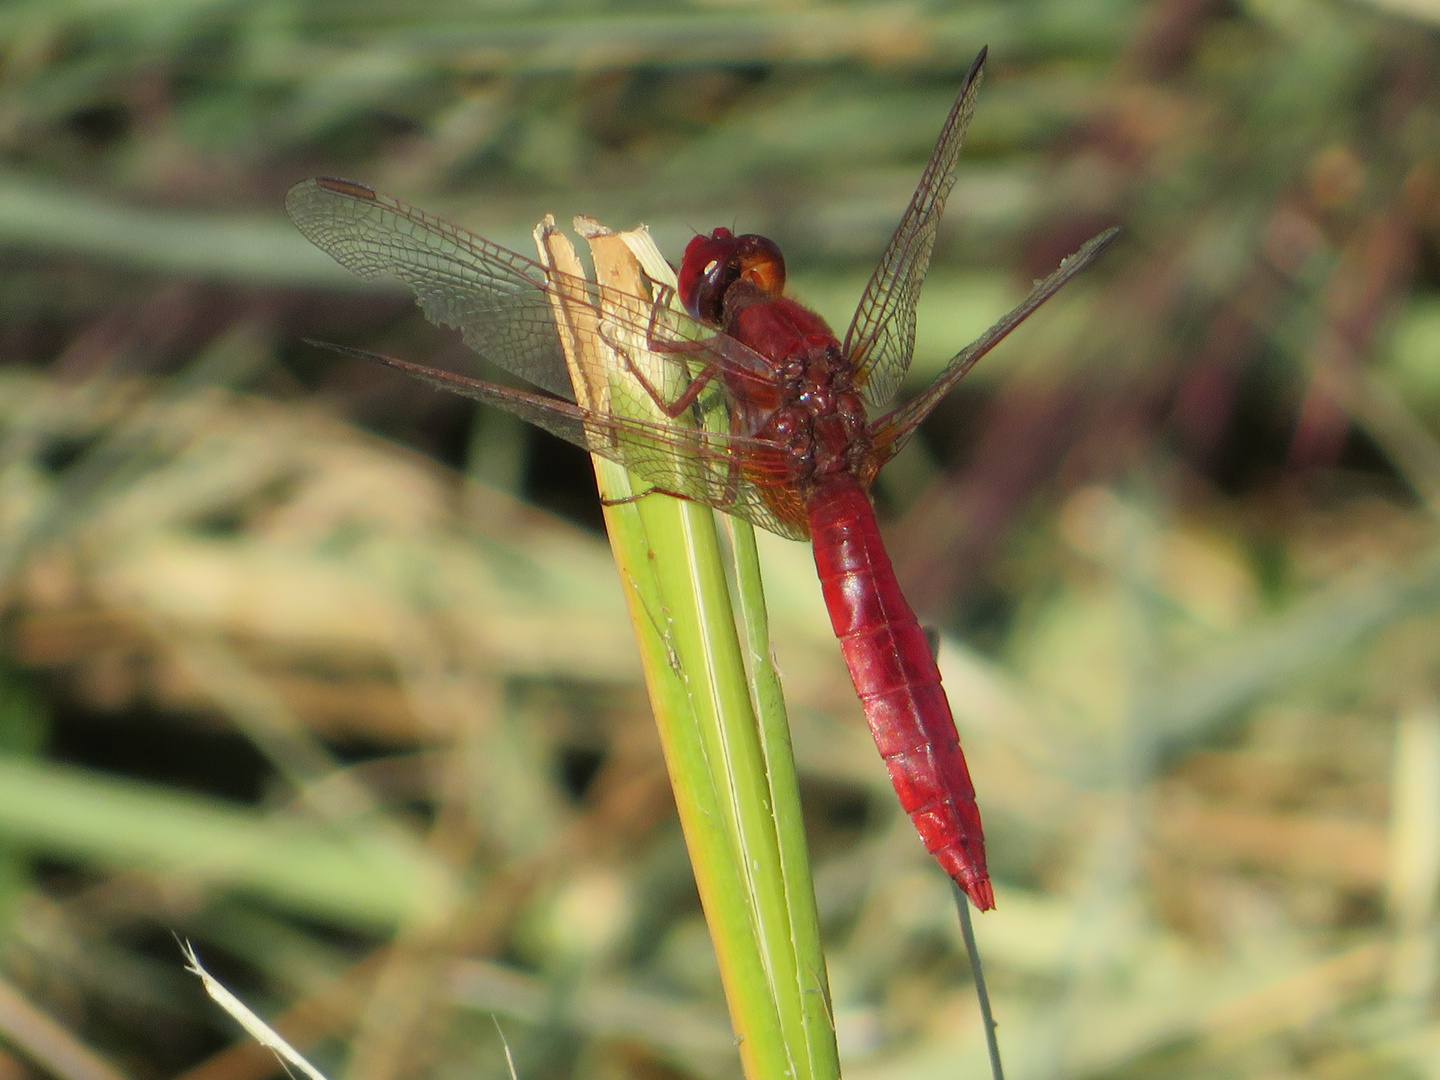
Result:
pixel 890 431
pixel 494 297
pixel 497 299
pixel 881 337
pixel 739 474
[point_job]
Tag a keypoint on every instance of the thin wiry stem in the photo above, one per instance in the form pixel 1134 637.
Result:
pixel 967 928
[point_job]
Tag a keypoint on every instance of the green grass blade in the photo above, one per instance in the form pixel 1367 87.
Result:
pixel 774 729
pixel 356 876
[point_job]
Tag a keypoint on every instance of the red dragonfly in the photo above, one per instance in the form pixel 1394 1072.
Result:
pixel 759 411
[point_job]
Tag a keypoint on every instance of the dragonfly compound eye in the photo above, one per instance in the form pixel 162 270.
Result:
pixel 714 264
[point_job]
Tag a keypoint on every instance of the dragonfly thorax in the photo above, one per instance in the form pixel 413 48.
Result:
pixel 815 413
pixel 821 420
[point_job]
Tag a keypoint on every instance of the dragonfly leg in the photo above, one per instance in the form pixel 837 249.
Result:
pixel 672 409
pixel 731 491
pixel 640 495
pixel 655 341
pixel 664 294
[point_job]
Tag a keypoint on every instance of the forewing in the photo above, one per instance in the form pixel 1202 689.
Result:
pixel 740 475
pixel 498 300
pixel 494 297
pixel 881 337
pixel 890 431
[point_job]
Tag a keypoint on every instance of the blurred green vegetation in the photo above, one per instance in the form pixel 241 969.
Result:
pixel 331 675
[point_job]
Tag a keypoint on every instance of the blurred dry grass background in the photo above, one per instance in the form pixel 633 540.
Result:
pixel 331 676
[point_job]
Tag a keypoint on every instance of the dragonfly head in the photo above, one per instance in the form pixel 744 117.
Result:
pixel 715 263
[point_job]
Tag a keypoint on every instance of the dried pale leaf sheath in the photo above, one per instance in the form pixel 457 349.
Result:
pixel 576 322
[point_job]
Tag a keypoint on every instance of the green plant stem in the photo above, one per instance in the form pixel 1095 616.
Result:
pixel 728 753
pixel 663 583
pixel 734 777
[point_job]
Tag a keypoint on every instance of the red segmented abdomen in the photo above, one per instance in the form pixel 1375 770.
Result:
pixel 898 683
